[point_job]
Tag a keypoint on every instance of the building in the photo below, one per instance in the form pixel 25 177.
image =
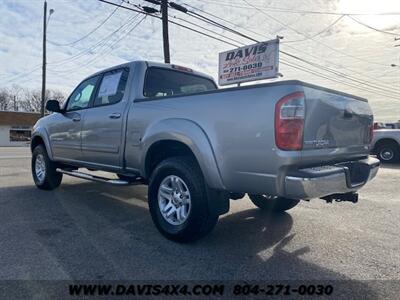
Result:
pixel 385 125
pixel 16 127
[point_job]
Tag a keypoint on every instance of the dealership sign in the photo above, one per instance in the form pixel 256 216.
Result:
pixel 249 63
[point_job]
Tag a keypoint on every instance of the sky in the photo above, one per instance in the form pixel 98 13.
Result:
pixel 360 47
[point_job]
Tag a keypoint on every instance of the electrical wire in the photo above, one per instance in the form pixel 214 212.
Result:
pixel 363 82
pixel 170 21
pixel 231 30
pixel 97 45
pixel 372 28
pixel 297 11
pixel 105 52
pixel 89 33
pixel 341 74
pixel 317 34
pixel 22 75
pixel 212 31
pixel 291 47
pixel 318 42
pixel 312 72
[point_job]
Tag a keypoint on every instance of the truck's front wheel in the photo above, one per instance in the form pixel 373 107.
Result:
pixel 178 200
pixel 273 203
pixel 44 171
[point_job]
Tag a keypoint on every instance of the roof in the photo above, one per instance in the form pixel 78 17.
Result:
pixel 150 64
pixel 17 118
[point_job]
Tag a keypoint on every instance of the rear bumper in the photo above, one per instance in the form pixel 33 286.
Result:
pixel 330 179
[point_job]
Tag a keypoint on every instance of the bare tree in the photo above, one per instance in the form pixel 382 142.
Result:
pixel 57 95
pixel 33 98
pixel 16 91
pixel 25 99
pixel 4 99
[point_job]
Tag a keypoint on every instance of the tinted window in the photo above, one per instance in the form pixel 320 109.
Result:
pixel 80 98
pixel 112 87
pixel 163 82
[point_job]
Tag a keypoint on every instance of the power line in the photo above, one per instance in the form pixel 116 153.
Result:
pixel 212 31
pixel 214 23
pixel 170 21
pixel 317 34
pixel 312 72
pixel 298 11
pixel 106 51
pixel 257 33
pixel 341 74
pixel 99 44
pixel 295 57
pixel 318 42
pixel 89 33
pixel 349 77
pixel 22 75
pixel 373 28
pixel 291 47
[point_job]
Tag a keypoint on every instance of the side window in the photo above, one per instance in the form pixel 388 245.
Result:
pixel 112 87
pixel 80 98
pixel 160 82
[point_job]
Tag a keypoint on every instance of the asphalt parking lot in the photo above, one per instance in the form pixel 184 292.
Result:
pixel 89 231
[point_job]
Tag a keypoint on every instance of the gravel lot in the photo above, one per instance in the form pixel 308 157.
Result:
pixel 90 231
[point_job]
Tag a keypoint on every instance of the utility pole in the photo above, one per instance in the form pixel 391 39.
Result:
pixel 44 59
pixel 164 15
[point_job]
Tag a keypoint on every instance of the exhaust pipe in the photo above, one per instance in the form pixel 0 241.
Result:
pixel 350 197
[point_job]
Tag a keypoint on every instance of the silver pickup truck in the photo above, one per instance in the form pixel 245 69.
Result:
pixel 386 145
pixel 197 146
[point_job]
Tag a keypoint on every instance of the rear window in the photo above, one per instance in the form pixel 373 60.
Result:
pixel 161 82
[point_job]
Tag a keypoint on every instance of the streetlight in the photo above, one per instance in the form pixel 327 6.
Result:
pixel 45 23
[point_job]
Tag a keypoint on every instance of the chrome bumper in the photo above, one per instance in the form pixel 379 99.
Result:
pixel 332 179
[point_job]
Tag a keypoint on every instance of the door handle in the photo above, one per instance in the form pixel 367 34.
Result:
pixel 114 116
pixel 76 119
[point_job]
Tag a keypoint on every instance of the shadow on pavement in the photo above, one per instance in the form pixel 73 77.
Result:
pixel 99 232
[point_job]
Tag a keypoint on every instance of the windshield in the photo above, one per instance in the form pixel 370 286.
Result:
pixel 161 82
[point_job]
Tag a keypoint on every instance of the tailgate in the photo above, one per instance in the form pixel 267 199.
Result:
pixel 336 121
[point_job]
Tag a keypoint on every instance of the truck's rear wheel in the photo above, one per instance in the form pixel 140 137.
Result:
pixel 273 203
pixel 178 200
pixel 44 171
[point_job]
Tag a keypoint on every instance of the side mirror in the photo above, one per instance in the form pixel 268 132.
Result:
pixel 53 106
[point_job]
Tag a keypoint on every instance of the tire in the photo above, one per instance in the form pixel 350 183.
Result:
pixel 44 171
pixel 195 217
pixel 273 204
pixel 388 152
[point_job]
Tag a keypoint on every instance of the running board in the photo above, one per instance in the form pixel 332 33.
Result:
pixel 98 178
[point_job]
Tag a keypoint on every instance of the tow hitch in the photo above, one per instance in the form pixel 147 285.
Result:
pixel 351 197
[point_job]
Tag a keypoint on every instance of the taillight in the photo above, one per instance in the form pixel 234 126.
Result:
pixel 289 122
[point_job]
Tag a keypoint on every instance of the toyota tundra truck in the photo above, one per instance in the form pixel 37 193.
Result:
pixel 197 146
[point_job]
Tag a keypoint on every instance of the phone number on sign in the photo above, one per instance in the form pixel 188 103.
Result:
pixel 281 289
pixel 245 67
